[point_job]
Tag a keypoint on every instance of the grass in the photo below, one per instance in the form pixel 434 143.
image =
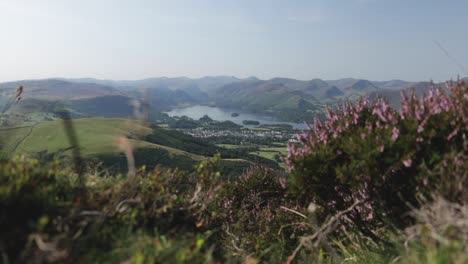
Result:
pixel 271 152
pixel 231 146
pixel 172 217
pixel 282 150
pixel 95 136
pixel 265 154
pixel 11 137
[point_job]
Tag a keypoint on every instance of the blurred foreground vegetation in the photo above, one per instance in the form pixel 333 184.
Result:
pixel 369 185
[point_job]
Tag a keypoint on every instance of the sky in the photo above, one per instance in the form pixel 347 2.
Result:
pixel 329 39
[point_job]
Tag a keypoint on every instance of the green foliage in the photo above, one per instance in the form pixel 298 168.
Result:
pixel 254 219
pixel 169 216
pixel 385 158
pixel 29 196
pixel 179 140
pixel 346 199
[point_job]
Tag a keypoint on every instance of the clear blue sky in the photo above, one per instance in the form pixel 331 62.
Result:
pixel 328 39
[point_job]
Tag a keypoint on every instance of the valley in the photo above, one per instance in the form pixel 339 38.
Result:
pixel 152 145
pixel 246 121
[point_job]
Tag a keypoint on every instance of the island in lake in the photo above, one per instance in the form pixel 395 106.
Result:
pixel 251 122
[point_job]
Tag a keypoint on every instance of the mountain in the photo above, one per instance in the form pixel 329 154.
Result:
pixel 362 86
pixel 165 93
pixel 354 85
pixel 346 83
pixel 393 84
pixel 59 89
pixel 102 106
pixel 394 96
pixel 259 95
pixel 333 92
pixel 176 83
pixel 285 98
pixel 342 83
pixel 284 93
pixel 161 98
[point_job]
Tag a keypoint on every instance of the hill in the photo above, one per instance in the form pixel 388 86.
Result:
pixel 287 99
pixel 393 84
pixel 367 185
pixel 284 98
pixel 177 83
pixel 58 89
pixel 103 106
pixel 95 135
pixel 350 82
pixel 394 96
pixel 96 138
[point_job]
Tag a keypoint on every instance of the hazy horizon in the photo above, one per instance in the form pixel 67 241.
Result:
pixel 227 76
pixel 130 40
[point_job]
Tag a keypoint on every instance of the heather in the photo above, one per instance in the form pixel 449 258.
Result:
pixel 367 184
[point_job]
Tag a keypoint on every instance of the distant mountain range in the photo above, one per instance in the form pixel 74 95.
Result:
pixel 59 89
pixel 287 99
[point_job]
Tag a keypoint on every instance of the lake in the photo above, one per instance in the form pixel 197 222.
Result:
pixel 223 114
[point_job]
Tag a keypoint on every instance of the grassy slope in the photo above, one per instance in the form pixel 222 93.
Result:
pixel 271 152
pixel 96 139
pixel 231 146
pixel 11 137
pixel 95 135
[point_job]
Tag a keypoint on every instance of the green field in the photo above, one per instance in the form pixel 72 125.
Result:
pixel 271 152
pixel 95 136
pixel 11 137
pixel 231 146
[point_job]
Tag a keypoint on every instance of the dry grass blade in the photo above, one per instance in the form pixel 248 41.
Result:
pixel 322 232
pixel 16 97
pixel 294 212
pixel 76 153
pixel 123 144
pixel 442 221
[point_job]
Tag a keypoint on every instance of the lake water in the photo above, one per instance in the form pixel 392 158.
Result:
pixel 222 114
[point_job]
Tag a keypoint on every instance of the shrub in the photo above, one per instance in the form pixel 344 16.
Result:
pixel 30 195
pixel 440 234
pixel 258 216
pixel 387 158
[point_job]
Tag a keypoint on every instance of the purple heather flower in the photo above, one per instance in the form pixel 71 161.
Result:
pixel 451 135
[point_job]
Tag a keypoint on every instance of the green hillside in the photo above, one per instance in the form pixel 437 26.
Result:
pixel 95 137
pixel 103 106
pixel 11 137
pixel 390 194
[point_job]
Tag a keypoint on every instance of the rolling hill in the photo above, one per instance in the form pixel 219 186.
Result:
pixel 58 89
pixel 287 99
pixel 284 98
pixel 96 137
pixel 102 106
pixel 177 83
